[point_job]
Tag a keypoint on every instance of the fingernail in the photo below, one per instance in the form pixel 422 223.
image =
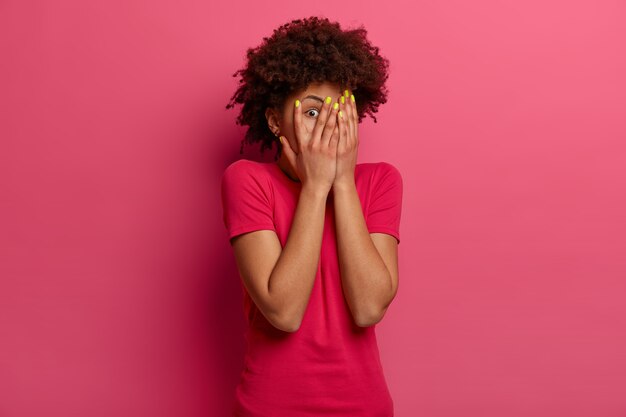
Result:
pixel 281 140
pixel 346 93
pixel 335 105
pixel 297 103
pixel 352 98
pixel 340 114
pixel 328 99
pixel 343 100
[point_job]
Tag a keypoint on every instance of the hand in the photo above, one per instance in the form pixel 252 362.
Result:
pixel 348 140
pixel 316 164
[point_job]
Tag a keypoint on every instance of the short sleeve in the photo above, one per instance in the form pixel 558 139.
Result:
pixel 246 199
pixel 385 203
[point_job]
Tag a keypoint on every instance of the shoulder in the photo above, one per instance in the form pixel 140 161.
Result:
pixel 245 168
pixel 242 165
pixel 379 171
pixel 248 174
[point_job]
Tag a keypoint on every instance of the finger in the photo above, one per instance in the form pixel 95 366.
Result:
pixel 355 116
pixel 333 143
pixel 321 120
pixel 347 114
pixel 289 152
pixel 299 128
pixel 331 123
pixel 343 127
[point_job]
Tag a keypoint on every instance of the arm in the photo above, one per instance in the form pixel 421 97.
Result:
pixel 278 280
pixel 368 262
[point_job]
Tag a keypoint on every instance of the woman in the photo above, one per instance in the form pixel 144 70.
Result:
pixel 314 234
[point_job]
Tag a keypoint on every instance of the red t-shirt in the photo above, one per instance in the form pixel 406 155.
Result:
pixel 329 366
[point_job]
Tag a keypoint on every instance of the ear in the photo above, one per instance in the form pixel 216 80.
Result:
pixel 273 120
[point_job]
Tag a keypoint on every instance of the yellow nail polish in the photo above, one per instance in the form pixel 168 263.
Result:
pixel 335 105
pixel 281 140
pixel 328 99
pixel 340 114
pixel 346 93
pixel 352 96
pixel 297 103
pixel 343 100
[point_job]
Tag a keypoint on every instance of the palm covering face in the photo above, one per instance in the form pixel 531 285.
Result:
pixel 327 151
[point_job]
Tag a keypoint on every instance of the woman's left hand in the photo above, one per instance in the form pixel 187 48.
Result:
pixel 348 140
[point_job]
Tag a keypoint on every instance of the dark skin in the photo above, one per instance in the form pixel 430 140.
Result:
pixel 368 261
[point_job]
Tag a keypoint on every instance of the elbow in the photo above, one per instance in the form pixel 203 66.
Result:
pixel 290 327
pixel 370 317
pixel 287 324
pixel 368 320
pixel 283 318
pixel 373 314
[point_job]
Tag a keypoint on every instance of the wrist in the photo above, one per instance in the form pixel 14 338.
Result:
pixel 315 191
pixel 344 183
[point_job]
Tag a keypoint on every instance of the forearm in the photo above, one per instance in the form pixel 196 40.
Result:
pixel 365 278
pixel 292 279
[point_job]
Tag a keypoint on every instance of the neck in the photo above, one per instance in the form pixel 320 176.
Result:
pixel 287 169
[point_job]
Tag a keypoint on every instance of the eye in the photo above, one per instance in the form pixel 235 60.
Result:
pixel 308 112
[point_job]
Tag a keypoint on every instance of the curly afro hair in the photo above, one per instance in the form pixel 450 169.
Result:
pixel 297 54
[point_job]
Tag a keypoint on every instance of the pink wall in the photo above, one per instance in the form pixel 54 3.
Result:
pixel 118 289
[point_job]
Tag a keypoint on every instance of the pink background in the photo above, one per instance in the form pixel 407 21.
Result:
pixel 119 294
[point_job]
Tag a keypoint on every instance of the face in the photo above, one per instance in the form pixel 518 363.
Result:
pixel 311 100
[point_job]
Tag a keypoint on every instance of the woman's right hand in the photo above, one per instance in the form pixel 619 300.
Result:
pixel 316 164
